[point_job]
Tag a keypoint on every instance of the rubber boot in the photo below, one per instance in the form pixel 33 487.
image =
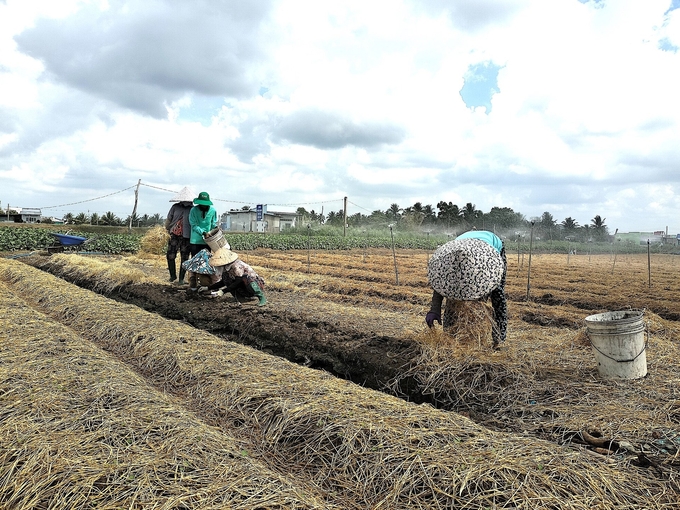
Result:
pixel 193 284
pixel 172 269
pixel 182 272
pixel 258 292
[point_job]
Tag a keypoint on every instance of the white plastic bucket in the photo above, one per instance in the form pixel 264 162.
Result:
pixel 619 344
pixel 216 240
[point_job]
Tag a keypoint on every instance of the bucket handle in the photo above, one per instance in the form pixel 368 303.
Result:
pixel 625 360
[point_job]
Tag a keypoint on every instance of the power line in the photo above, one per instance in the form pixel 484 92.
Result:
pixel 355 205
pixel 156 187
pixel 89 200
pixel 251 202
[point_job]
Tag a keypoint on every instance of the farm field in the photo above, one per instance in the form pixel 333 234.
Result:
pixel 531 426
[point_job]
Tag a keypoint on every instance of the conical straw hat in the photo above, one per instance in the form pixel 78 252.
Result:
pixel 222 257
pixel 185 195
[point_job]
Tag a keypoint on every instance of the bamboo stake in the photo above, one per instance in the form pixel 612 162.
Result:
pixel 394 256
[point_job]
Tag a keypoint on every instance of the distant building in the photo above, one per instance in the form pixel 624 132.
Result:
pixel 237 220
pixel 24 215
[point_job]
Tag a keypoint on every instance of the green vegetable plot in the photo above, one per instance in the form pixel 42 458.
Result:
pixel 13 239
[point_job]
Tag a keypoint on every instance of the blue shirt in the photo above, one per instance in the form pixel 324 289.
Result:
pixel 484 235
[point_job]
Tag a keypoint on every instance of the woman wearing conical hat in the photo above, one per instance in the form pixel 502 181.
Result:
pixel 237 277
pixel 471 267
pixel 177 225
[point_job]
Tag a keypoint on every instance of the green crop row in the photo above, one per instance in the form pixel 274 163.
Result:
pixel 13 239
pixel 302 242
pixel 27 238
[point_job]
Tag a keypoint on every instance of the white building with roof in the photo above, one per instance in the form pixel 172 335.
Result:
pixel 254 220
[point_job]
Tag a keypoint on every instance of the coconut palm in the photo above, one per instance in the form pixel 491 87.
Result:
pixel 394 212
pixel 110 219
pixel 569 226
pixel 430 216
pixel 598 225
pixel 414 214
pixel 80 219
pixel 471 213
pixel 449 213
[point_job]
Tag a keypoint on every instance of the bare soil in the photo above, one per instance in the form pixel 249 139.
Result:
pixel 285 327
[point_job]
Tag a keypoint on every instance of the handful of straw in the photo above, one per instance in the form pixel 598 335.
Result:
pixel 471 324
pixel 155 241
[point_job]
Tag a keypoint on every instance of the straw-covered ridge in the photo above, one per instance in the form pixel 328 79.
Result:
pixel 545 381
pixel 357 447
pixel 111 272
pixel 79 429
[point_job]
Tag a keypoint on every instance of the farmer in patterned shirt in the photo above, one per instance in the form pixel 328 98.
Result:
pixel 236 277
pixel 471 267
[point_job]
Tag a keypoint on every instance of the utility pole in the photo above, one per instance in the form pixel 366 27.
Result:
pixel 344 218
pixel 531 243
pixel 134 209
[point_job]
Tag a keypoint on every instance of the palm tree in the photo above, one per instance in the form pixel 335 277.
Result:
pixel 598 225
pixel 109 219
pixel 80 219
pixel 334 218
pixel 94 219
pixel 470 213
pixel 569 226
pixel 449 213
pixel 414 215
pixel 68 218
pixel 430 216
pixel 355 219
pixel 133 220
pixel 394 212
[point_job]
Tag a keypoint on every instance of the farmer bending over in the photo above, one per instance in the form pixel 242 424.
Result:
pixel 237 277
pixel 469 268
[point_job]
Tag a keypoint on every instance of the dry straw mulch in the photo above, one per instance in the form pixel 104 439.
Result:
pixel 80 429
pixel 155 241
pixel 545 382
pixel 359 448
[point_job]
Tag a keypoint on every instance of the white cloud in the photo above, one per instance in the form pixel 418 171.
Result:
pixel 302 102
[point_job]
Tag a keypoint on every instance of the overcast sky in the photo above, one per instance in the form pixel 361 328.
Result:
pixel 565 106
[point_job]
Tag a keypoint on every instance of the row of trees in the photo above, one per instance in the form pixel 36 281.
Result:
pixel 110 219
pixel 447 217
pixel 450 218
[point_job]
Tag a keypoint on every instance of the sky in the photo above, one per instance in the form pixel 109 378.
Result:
pixel 567 106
